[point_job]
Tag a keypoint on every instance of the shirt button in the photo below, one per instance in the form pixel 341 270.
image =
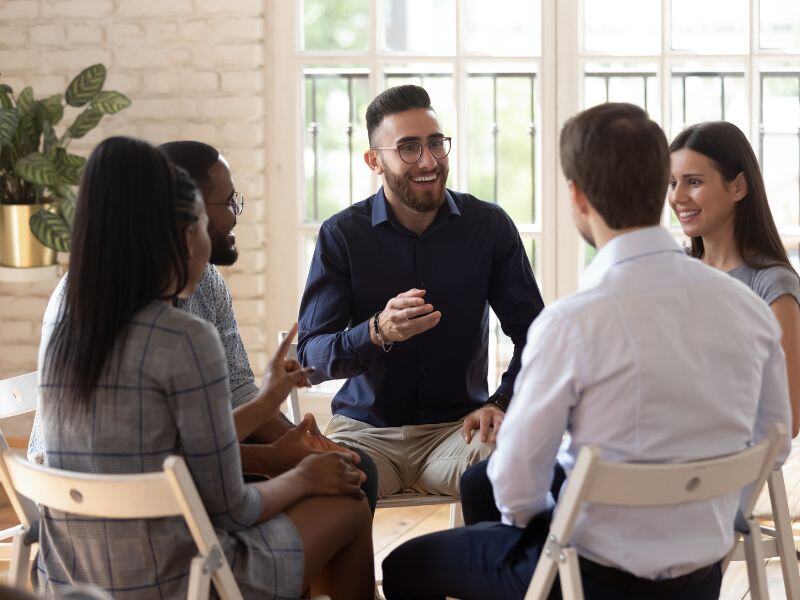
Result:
pixel 422 285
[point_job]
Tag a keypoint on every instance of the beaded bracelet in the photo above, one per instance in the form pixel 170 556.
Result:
pixel 386 347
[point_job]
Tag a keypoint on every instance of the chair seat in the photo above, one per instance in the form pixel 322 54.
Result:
pixel 412 498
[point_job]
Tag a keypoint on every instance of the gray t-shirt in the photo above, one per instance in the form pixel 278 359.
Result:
pixel 769 283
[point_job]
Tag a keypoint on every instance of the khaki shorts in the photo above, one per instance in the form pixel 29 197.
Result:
pixel 424 458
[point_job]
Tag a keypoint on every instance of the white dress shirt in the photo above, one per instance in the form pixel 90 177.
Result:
pixel 658 358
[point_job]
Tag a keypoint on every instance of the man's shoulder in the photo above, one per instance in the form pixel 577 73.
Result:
pixel 353 215
pixel 211 293
pixel 468 203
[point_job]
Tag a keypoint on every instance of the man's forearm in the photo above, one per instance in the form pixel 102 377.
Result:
pixel 271 430
pixel 339 355
pixel 263 459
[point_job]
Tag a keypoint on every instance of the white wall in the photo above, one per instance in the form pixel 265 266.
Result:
pixel 194 69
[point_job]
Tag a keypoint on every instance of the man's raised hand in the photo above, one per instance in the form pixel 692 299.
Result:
pixel 405 316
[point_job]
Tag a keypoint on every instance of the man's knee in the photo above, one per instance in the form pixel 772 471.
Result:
pixel 370 485
pixel 403 561
pixel 478 450
pixel 475 478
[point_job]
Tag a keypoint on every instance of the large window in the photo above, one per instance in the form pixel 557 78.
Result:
pixel 503 77
pixel 733 60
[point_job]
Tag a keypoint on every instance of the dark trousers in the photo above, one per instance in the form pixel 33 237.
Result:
pixel 477 497
pixel 370 485
pixel 491 561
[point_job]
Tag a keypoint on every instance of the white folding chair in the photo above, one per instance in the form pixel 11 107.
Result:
pixel 627 484
pixel 169 493
pixel 17 399
pixel 399 499
pixel 778 541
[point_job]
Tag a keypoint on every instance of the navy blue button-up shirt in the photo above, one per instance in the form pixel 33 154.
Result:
pixel 471 257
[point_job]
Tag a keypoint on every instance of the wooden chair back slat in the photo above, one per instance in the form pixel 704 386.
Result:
pixel 138 496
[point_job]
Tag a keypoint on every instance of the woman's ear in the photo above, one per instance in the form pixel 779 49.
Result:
pixel 190 235
pixel 739 187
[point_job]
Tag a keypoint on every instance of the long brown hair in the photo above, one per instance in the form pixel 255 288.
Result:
pixel 754 231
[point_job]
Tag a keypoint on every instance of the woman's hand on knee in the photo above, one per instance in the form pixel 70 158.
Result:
pixel 331 474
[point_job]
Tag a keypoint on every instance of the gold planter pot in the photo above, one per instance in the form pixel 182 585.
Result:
pixel 18 246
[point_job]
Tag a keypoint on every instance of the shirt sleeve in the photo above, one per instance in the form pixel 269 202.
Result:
pixel 513 293
pixel 546 391
pixel 241 379
pixel 773 404
pixel 200 402
pixel 327 339
pixel 775 282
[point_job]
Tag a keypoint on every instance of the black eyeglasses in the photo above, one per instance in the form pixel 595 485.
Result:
pixel 235 203
pixel 411 152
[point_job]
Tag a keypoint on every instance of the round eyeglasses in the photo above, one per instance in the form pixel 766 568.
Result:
pixel 411 152
pixel 235 203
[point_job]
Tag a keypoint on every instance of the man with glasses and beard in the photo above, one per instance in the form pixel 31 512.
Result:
pixel 397 302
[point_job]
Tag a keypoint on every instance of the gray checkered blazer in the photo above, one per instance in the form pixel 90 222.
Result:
pixel 165 392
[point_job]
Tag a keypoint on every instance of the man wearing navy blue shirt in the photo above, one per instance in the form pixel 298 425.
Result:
pixel 397 302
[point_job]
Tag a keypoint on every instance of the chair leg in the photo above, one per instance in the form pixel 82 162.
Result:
pixel 225 583
pixel 569 573
pixel 199 582
pixel 456 515
pixel 754 555
pixel 542 579
pixel 783 533
pixel 20 563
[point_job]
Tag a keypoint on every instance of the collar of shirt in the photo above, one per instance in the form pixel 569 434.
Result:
pixel 628 246
pixel 381 212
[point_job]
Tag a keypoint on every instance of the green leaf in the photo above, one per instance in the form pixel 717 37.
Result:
pixel 69 166
pixel 51 230
pixel 9 118
pixel 86 85
pixel 50 138
pixel 6 96
pixel 25 102
pixel 53 109
pixel 67 210
pixel 109 103
pixel 84 123
pixel 38 169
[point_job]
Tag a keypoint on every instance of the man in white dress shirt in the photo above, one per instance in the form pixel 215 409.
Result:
pixel 657 358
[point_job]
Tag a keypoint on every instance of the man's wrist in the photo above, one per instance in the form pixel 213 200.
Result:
pixel 499 400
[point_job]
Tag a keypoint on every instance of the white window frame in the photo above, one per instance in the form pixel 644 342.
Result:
pixel 561 68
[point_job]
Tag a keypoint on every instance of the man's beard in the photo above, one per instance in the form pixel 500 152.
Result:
pixel 423 201
pixel 223 253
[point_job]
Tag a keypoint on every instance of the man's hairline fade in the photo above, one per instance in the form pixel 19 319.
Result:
pixel 392 101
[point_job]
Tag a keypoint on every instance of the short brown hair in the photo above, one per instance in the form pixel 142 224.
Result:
pixel 395 100
pixel 620 159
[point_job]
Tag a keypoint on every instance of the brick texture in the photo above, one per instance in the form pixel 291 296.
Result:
pixel 194 70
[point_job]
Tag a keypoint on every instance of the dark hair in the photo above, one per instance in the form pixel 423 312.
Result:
pixel 395 100
pixel 754 231
pixel 619 159
pixel 196 157
pixel 128 249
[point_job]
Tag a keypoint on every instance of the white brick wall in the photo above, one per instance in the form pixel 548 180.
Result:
pixel 194 70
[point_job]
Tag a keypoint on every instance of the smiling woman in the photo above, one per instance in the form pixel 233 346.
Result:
pixel 717 193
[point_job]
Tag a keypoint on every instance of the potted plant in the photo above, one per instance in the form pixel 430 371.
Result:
pixel 37 172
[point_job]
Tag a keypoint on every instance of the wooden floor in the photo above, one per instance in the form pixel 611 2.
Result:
pixel 395 525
